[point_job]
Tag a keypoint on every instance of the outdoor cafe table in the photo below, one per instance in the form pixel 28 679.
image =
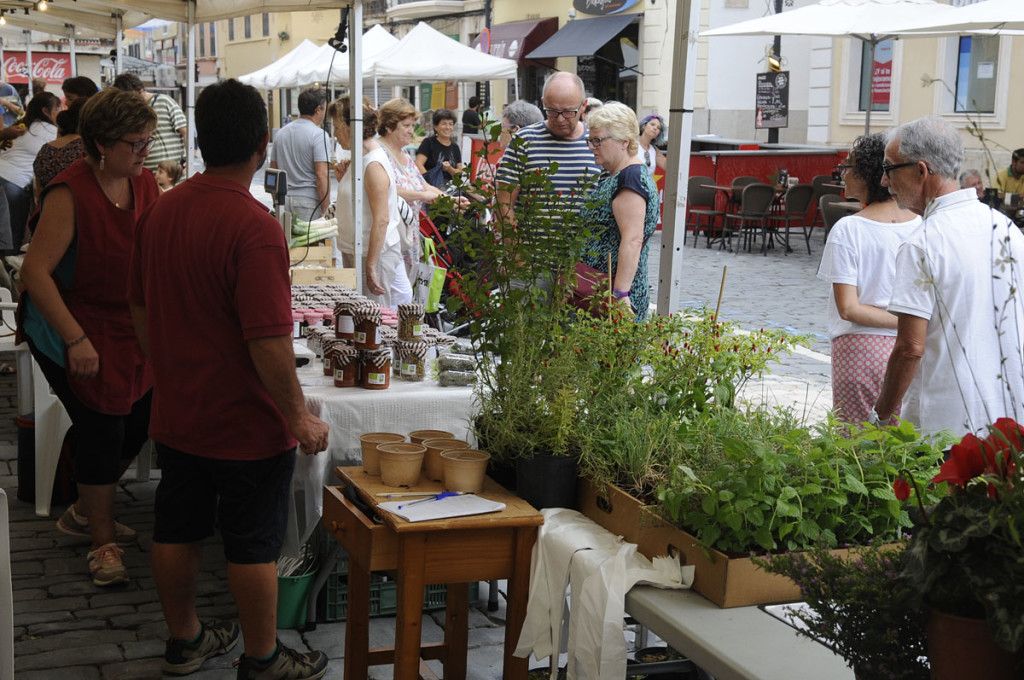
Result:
pixel 454 551
pixel 740 643
pixel 352 411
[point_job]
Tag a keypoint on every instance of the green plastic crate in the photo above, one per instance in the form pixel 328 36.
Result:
pixel 383 595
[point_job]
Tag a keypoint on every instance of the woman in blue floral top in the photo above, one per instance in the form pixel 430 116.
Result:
pixel 622 213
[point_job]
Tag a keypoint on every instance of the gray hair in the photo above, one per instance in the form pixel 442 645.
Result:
pixel 618 121
pixel 556 74
pixel 933 141
pixel 967 174
pixel 522 113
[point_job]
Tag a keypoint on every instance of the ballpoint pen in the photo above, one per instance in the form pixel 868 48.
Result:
pixel 446 494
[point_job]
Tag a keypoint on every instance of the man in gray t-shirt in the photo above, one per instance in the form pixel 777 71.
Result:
pixel 301 150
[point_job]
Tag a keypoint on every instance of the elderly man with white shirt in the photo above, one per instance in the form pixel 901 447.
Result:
pixel 957 363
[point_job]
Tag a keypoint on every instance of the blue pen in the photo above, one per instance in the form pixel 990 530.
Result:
pixel 445 494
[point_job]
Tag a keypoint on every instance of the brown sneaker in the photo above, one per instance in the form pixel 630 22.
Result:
pixel 105 565
pixel 73 524
pixel 286 664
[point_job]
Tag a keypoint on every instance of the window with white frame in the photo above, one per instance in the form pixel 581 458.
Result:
pixel 972 80
pixel 875 76
pixel 977 63
pixel 870 80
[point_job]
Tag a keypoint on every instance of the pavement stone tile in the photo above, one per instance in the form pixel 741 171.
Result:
pixel 31 620
pixel 138 669
pixel 75 656
pixel 62 626
pixel 142 649
pixel 71 673
pixel 73 604
pixel 77 638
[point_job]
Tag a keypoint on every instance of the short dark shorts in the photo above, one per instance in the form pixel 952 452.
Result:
pixel 246 499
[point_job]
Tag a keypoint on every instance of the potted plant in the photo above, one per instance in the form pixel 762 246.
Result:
pixel 859 608
pixel 965 559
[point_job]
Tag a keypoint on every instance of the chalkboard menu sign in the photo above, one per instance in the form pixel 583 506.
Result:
pixel 772 100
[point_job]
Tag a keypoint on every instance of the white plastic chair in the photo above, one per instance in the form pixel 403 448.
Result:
pixel 51 424
pixel 6 594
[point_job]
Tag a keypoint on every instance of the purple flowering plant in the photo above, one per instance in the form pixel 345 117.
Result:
pixel 860 608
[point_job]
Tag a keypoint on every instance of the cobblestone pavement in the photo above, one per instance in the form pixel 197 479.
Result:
pixel 69 629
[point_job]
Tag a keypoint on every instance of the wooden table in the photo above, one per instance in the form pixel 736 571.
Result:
pixel 452 551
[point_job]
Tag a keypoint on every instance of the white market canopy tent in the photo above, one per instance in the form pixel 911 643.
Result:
pixel 425 54
pixel 261 78
pixel 317 68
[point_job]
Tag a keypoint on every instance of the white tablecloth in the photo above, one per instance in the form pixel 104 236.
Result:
pixel 352 411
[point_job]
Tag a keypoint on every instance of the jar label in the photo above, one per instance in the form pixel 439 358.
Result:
pixel 346 324
pixel 376 335
pixel 417 330
pixel 377 378
pixel 296 329
pixel 327 362
pixel 360 337
pixel 409 369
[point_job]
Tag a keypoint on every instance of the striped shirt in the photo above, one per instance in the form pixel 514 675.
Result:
pixel 542 149
pixel 167 144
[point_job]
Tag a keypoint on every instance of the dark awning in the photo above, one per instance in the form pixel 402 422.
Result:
pixel 514 40
pixel 582 37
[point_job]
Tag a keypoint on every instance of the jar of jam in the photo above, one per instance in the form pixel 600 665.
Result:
pixel 297 318
pixel 410 322
pixel 376 369
pixel 367 319
pixel 344 364
pixel 344 326
pixel 412 358
pixel 327 314
pixel 327 346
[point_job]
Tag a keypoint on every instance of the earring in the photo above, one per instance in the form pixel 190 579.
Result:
pixel 103 159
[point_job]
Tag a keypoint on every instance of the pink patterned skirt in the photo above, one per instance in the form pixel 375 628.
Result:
pixel 858 369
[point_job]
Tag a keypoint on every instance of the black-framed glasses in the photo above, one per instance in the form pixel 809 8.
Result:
pixel 886 169
pixel 139 146
pixel 842 168
pixel 567 114
pixel 595 142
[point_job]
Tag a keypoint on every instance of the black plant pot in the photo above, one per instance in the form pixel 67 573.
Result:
pixel 503 473
pixel 546 481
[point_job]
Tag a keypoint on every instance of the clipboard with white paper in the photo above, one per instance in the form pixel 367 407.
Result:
pixel 451 506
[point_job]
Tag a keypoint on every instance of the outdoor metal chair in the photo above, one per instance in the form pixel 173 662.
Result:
pixel 797 205
pixel 701 203
pixel 737 190
pixel 832 212
pixel 818 182
pixel 753 213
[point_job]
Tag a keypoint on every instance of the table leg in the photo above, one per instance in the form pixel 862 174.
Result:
pixel 357 623
pixel 514 667
pixel 456 631
pixel 408 622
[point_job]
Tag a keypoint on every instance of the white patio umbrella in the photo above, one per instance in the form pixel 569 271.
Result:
pixel 872 21
pixel 992 15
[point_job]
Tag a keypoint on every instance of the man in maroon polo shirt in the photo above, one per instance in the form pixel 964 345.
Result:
pixel 211 301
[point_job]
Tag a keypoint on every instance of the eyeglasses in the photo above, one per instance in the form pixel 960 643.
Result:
pixel 596 141
pixel 843 168
pixel 886 169
pixel 140 146
pixel 568 114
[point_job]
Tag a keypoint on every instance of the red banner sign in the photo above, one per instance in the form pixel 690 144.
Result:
pixel 54 68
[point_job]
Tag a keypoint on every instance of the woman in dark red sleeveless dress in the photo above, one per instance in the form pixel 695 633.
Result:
pixel 75 313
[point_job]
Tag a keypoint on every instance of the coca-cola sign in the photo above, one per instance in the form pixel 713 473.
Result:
pixel 53 68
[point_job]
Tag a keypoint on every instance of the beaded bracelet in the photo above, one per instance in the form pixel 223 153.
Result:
pixel 76 341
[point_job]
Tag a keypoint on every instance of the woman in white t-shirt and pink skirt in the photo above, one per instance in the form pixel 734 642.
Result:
pixel 859 263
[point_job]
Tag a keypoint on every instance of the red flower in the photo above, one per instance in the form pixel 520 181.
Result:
pixel 966 461
pixel 1006 436
pixel 901 488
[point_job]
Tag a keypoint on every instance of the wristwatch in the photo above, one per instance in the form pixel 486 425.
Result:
pixel 619 294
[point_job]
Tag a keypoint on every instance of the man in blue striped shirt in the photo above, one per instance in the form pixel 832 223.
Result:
pixel 561 138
